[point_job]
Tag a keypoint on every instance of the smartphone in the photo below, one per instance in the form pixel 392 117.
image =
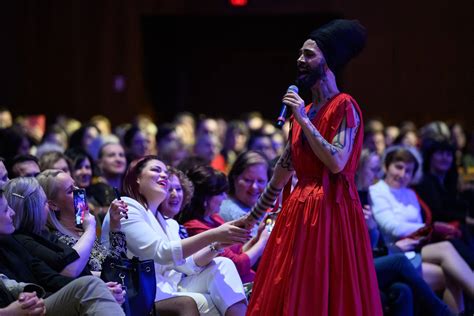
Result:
pixel 80 206
pixel 117 196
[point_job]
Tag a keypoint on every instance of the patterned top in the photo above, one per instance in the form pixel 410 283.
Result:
pixel 183 233
pixel 117 249
pixel 231 209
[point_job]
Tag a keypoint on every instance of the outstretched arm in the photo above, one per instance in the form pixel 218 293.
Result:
pixel 333 154
pixel 281 174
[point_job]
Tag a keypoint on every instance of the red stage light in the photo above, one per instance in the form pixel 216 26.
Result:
pixel 238 3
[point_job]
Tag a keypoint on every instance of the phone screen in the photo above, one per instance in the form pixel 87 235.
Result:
pixel 80 206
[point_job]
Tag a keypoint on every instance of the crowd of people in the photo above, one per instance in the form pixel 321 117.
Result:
pixel 417 194
pixel 332 214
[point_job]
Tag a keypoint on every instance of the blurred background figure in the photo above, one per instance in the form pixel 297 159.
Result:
pixel 23 166
pixel 55 160
pixel 235 141
pixel 391 133
pixel 6 119
pixel 368 173
pixel 3 173
pixel 207 147
pixel 112 164
pixel 102 123
pixel 145 124
pixel 262 142
pixel 84 137
pixel 185 128
pixel 137 144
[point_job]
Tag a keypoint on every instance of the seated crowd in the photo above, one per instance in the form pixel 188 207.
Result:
pixel 171 193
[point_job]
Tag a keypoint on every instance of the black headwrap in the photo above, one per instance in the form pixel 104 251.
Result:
pixel 340 41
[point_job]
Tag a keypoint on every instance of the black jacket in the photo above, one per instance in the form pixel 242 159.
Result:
pixel 18 264
pixel 49 249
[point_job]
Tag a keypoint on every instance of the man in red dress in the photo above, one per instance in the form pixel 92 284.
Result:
pixel 318 260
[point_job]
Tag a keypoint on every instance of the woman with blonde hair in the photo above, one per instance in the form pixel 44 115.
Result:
pixel 58 187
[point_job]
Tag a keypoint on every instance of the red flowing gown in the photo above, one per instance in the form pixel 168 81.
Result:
pixel 318 259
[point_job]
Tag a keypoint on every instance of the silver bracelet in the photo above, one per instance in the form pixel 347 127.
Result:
pixel 213 248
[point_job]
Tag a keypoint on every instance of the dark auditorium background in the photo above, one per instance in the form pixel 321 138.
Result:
pixel 123 57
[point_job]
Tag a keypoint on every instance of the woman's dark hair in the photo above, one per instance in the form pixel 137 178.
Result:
pixel 207 183
pixel 164 130
pixel 432 146
pixel 130 185
pixel 191 162
pixel 243 161
pixel 77 156
pixel 429 149
pixel 78 136
pixel 401 154
pixel 11 139
pixel 129 134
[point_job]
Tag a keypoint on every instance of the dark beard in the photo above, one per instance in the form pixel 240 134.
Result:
pixel 308 81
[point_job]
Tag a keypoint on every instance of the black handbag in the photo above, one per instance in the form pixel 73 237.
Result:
pixel 138 277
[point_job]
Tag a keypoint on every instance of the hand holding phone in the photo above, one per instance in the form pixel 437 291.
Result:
pixel 117 196
pixel 80 206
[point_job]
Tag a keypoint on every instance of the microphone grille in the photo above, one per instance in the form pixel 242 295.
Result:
pixel 293 88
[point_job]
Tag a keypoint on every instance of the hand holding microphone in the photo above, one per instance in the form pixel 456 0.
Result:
pixel 282 117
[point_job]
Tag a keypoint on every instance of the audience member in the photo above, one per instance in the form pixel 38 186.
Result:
pixel 398 214
pixel 180 192
pixel 235 141
pixel 207 147
pixel 102 123
pixel 81 167
pixel 391 133
pixel 136 143
pixel 24 280
pixel 374 141
pixel 248 177
pixel 58 187
pixel 83 137
pixel 187 267
pixel 438 188
pixel 55 134
pixel 210 188
pixel 54 160
pixel 112 164
pixel 207 126
pixel 259 141
pixel 13 142
pixel 24 166
pixel 3 173
pixel 6 119
pixel 368 173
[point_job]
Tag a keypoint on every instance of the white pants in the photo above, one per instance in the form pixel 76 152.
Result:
pixel 215 289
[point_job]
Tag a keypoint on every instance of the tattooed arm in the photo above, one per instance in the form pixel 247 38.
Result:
pixel 335 154
pixel 283 169
pixel 281 174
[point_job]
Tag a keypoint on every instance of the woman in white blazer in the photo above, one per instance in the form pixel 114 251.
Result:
pixel 187 267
